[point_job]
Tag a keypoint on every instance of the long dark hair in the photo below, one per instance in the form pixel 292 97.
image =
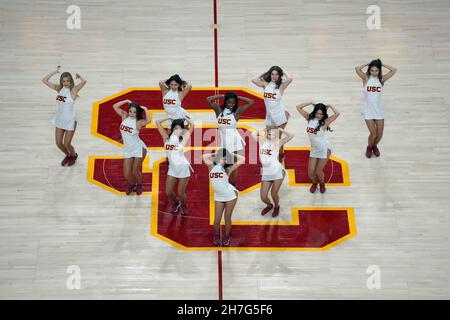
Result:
pixel 267 78
pixel 312 115
pixel 375 63
pixel 229 95
pixel 66 75
pixel 177 79
pixel 139 110
pixel 224 153
pixel 177 122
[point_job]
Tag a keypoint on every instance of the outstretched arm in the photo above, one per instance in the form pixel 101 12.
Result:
pixel 163 86
pixel 48 83
pixel 79 86
pixel 287 136
pixel 260 82
pixel 259 134
pixel 239 161
pixel 242 109
pixel 119 111
pixel 161 130
pixel 285 83
pixel 213 104
pixel 361 73
pixel 185 91
pixel 333 117
pixel 389 75
pixel 208 159
pixel 143 122
pixel 188 133
pixel 300 108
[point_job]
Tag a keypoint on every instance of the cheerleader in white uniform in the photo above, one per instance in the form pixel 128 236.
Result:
pixel 65 120
pixel 228 115
pixel 373 109
pixel 318 123
pixel 135 149
pixel 174 90
pixel 220 166
pixel 272 171
pixel 274 85
pixel 179 168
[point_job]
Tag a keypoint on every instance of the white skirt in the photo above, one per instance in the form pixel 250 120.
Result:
pixel 320 152
pixel 229 194
pixel 232 142
pixel 373 111
pixel 179 171
pixel 271 173
pixel 135 151
pixel 181 113
pixel 64 122
pixel 276 119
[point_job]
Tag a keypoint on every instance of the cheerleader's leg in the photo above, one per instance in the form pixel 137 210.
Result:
pixel 182 184
pixel 137 166
pixel 264 192
pixel 219 207
pixel 229 207
pixel 371 125
pixel 128 171
pixel 59 136
pixel 320 166
pixel 68 136
pixel 281 151
pixel 379 130
pixel 274 192
pixel 234 173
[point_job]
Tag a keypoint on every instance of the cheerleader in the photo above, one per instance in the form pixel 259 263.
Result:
pixel 220 166
pixel 318 123
pixel 179 168
pixel 228 115
pixel 373 109
pixel 65 120
pixel 272 171
pixel 274 86
pixel 135 149
pixel 174 90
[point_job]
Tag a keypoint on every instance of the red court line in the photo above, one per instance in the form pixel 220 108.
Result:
pixel 216 57
pixel 216 84
pixel 219 272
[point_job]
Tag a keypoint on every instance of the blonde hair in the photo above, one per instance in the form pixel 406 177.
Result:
pixel 66 75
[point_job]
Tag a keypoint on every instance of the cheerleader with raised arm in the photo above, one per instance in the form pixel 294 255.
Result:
pixel 373 109
pixel 135 149
pixel 220 165
pixel 173 91
pixel 274 82
pixel 318 123
pixel 175 140
pixel 65 119
pixel 272 171
pixel 228 115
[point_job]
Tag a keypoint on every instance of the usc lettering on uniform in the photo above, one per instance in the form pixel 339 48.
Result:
pixel 61 98
pixel 126 128
pixel 224 121
pixel 311 130
pixel 215 175
pixel 171 147
pixel 266 151
pixel 270 95
pixel 169 101
pixel 374 89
